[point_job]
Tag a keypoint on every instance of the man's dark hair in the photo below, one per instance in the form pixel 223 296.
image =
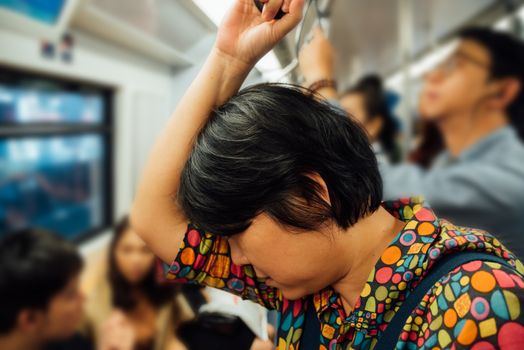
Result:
pixel 258 153
pixel 34 266
pixel 507 54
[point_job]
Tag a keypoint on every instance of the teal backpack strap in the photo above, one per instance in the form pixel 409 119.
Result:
pixel 388 340
pixel 310 339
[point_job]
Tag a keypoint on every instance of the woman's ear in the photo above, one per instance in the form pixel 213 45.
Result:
pixel 323 187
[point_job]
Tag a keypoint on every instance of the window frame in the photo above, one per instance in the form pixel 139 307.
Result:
pixel 10 76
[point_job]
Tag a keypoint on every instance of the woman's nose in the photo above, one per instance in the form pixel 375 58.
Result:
pixel 237 256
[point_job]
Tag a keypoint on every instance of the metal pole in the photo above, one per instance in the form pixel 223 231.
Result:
pixel 405 22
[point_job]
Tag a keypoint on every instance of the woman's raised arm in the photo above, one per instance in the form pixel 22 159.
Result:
pixel 244 36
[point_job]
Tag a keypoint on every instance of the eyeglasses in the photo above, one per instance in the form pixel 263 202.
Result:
pixel 450 64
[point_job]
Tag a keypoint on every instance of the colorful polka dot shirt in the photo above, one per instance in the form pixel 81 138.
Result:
pixel 476 306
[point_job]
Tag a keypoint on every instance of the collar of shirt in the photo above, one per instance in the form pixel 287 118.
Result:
pixel 483 148
pixel 395 274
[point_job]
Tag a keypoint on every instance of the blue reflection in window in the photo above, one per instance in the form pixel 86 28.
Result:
pixel 32 105
pixel 46 11
pixel 53 182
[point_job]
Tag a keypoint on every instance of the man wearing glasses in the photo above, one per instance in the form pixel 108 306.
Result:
pixel 475 98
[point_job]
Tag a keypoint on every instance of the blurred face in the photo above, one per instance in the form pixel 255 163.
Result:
pixel 458 85
pixel 297 263
pixel 354 105
pixel 133 258
pixel 64 313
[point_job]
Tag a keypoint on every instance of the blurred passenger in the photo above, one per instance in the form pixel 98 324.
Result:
pixel 368 103
pixel 41 305
pixel 129 309
pixel 476 100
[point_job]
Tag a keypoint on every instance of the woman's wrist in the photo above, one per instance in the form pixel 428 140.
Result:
pixel 231 66
pixel 322 84
pixel 328 93
pixel 225 73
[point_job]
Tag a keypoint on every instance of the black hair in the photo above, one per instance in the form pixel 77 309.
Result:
pixel 257 154
pixel 35 265
pixel 122 296
pixel 507 54
pixel 376 106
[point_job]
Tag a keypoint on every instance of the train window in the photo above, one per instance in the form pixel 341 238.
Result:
pixel 55 155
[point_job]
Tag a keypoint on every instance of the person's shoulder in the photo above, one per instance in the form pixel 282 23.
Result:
pixel 486 278
pixel 510 145
pixel 98 300
pixel 455 238
pixel 479 301
pixel 483 279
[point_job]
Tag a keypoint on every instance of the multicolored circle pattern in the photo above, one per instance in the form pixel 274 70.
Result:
pixel 477 306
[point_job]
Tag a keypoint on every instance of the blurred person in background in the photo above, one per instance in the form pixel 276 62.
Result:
pixel 367 102
pixel 41 305
pixel 129 310
pixel 475 99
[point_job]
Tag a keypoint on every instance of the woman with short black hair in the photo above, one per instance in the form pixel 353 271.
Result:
pixel 272 195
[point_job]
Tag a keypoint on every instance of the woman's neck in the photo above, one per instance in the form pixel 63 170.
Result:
pixel 365 242
pixel 142 302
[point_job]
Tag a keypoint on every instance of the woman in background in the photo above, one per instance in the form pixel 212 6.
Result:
pixel 367 102
pixel 129 309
